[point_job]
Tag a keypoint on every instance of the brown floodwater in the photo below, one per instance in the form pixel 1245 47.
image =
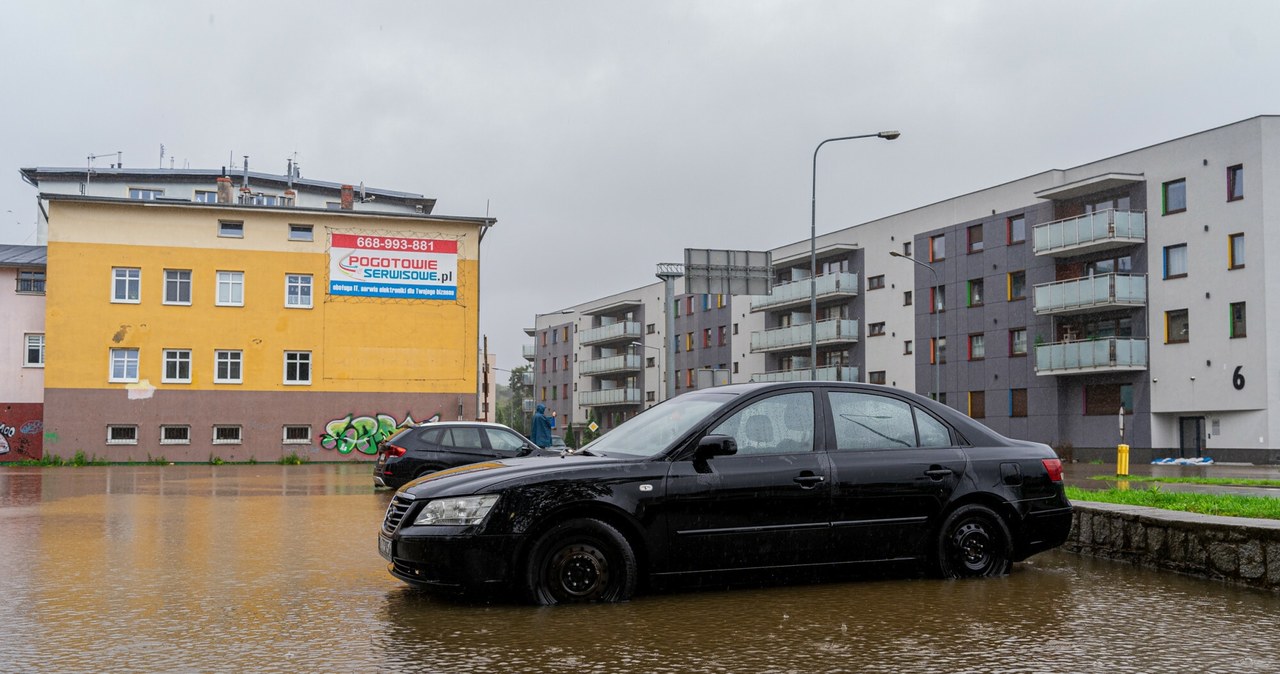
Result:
pixel 275 569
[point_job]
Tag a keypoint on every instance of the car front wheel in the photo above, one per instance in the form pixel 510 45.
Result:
pixel 583 560
pixel 973 542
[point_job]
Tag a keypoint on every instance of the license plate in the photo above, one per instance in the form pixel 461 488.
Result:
pixel 384 547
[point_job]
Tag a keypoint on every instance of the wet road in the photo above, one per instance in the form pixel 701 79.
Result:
pixel 275 568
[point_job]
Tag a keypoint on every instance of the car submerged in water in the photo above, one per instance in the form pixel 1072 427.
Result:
pixel 789 476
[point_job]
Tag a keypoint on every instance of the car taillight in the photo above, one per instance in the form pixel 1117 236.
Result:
pixel 1054 468
pixel 396 450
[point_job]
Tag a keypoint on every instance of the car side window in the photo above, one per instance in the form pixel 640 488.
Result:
pixel 504 441
pixel 463 438
pixel 777 425
pixel 932 432
pixel 869 421
pixel 431 436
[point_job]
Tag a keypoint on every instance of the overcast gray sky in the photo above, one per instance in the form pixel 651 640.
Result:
pixel 609 136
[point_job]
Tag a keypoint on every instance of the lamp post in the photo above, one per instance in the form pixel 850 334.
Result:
pixel 813 246
pixel 937 335
pixel 659 350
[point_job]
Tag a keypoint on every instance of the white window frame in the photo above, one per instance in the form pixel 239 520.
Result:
pixel 298 358
pixel 205 197
pixel 132 278
pixel 164 429
pixel 111 428
pixel 239 434
pixel 232 280
pixel 231 229
pixel 230 356
pixel 123 356
pixel 285 439
pixel 176 356
pixel 145 193
pixel 180 283
pixel 299 232
pixel 298 281
pixel 29 341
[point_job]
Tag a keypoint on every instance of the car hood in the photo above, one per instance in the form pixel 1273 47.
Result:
pixel 476 477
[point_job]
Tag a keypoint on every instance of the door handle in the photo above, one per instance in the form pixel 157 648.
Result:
pixel 808 481
pixel 938 473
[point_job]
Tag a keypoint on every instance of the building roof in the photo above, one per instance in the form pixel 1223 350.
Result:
pixel 23 256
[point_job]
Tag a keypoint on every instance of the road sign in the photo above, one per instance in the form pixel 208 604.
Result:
pixel 593 427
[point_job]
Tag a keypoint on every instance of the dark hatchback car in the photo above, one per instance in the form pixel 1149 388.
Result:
pixel 424 449
pixel 796 476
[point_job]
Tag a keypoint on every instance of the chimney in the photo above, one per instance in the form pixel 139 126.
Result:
pixel 224 190
pixel 348 197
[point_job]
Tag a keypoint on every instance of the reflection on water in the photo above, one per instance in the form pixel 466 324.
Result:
pixel 275 568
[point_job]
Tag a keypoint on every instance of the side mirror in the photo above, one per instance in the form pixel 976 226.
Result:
pixel 716 445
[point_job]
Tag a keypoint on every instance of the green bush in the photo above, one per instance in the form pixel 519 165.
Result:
pixel 292 459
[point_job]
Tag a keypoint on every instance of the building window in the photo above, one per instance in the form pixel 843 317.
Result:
pixel 297 435
pixel 875 329
pixel 175 435
pixel 978 404
pixel 650 328
pixel 938 350
pixel 876 377
pixel 937 247
pixel 649 397
pixel 974 234
pixel 1108 399
pixel 723 334
pixel 206 197
pixel 124 365
pixel 1017 285
pixel 906 348
pixel 301 233
pixel 177 366
pixel 1235 251
pixel 1235 182
pixel 33 355
pixel 875 282
pixel 1177 327
pixel 706 338
pixel 1016 227
pixel 688 378
pixel 937 299
pixel 977 347
pixel 145 194
pixel 1237 320
pixel 30 282
pixel 650 361
pixel 906 298
pixel 1018 342
pixel 226 435
pixel 122 434
pixel 297 367
pixel 1174 195
pixel 688 305
pixel 566 363
pixel 688 341
pixel 1018 402
pixel 975 292
pixel 227 367
pixel 1175 261
pixel 231 288
pixel 177 286
pixel 126 285
pixel 297 291
pixel 234 230
pixel 906 248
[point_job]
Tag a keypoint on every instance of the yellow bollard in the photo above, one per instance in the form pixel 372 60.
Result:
pixel 1122 460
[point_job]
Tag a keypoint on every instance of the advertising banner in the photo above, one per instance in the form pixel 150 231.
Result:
pixel 393 266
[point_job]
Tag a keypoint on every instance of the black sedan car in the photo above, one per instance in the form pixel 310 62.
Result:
pixel 804 475
pixel 424 449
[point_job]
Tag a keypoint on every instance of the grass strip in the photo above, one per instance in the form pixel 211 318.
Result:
pixel 1228 505
pixel 1231 481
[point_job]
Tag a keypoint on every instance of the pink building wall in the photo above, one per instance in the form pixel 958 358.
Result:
pixel 21 386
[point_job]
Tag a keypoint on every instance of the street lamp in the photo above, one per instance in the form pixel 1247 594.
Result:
pixel 813 247
pixel 659 350
pixel 937 335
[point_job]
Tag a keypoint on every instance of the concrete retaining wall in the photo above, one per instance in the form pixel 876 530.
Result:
pixel 1233 549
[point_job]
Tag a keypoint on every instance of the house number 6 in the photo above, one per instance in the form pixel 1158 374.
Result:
pixel 1237 379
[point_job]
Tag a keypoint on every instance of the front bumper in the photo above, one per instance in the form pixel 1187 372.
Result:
pixel 450 559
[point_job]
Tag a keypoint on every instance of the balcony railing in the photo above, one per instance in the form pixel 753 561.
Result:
pixel 610 333
pixel 530 351
pixel 611 364
pixel 797 293
pixel 1110 354
pixel 613 396
pixel 829 373
pixel 834 331
pixel 1104 291
pixel 1091 232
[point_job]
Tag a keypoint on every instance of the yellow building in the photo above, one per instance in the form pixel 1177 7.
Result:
pixel 193 330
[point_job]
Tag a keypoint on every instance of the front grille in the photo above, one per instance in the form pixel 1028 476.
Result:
pixel 400 504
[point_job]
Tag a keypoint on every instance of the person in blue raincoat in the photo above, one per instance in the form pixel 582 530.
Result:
pixel 542 426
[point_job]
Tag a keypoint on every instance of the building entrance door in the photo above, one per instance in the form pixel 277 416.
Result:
pixel 1190 436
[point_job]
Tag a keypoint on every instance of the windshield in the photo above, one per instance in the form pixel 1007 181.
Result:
pixel 652 431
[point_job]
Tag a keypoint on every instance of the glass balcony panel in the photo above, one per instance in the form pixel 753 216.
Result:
pixel 529 351
pixel 1114 354
pixel 1091 293
pixel 620 363
pixel 610 333
pixel 797 292
pixel 830 331
pixel 613 396
pixel 830 373
pixel 1090 232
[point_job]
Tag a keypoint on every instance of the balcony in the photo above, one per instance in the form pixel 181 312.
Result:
pixel 614 332
pixel 612 396
pixel 834 331
pixel 830 373
pixel 1093 293
pixel 1110 354
pixel 1091 233
pixel 796 293
pixel 611 365
pixel 529 351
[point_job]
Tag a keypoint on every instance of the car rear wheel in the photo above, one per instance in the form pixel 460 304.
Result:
pixel 578 561
pixel 973 542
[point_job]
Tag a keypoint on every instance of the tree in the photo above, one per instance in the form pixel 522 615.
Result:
pixel 511 410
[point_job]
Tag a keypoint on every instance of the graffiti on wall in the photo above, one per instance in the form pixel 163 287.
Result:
pixel 362 434
pixel 21 432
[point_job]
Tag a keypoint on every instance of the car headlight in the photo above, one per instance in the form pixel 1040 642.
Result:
pixel 462 511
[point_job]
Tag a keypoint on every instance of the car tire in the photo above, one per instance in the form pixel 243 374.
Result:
pixel 973 542
pixel 579 561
